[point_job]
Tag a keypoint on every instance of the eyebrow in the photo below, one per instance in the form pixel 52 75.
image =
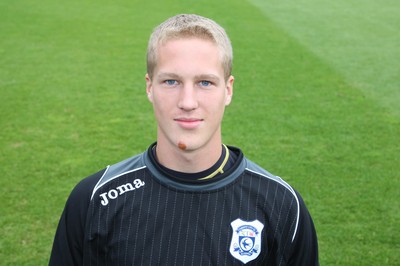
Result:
pixel 163 75
pixel 207 77
pixel 168 75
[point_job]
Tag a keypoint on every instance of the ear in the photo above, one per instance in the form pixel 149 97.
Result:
pixel 149 88
pixel 229 90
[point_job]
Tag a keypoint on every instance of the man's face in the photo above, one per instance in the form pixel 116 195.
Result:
pixel 189 94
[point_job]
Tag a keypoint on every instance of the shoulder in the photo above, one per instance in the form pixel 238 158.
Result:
pixel 275 190
pixel 86 188
pixel 256 170
pixel 81 193
pixel 115 171
pixel 303 236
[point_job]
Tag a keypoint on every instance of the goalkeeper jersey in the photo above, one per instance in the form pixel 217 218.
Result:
pixel 136 213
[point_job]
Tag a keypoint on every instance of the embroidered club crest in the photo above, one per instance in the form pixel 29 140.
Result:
pixel 246 240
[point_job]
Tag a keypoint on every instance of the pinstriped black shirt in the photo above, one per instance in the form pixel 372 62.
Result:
pixel 134 213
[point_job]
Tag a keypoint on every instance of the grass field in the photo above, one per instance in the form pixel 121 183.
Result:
pixel 316 102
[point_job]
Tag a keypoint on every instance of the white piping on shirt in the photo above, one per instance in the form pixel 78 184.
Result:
pixel 286 185
pixel 99 185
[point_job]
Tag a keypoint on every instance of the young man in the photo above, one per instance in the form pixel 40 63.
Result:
pixel 189 199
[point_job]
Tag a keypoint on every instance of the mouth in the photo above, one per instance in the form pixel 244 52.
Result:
pixel 188 123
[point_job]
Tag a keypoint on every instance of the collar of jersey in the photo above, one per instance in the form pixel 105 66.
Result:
pixel 216 182
pixel 212 172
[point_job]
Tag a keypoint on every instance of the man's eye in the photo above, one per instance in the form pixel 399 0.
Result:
pixel 205 83
pixel 170 82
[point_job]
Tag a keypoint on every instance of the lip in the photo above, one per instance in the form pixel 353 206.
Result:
pixel 188 123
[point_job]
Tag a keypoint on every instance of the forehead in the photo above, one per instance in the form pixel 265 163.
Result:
pixel 189 57
pixel 183 39
pixel 198 49
pixel 188 40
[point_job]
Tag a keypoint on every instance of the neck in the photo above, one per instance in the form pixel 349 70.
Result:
pixel 189 160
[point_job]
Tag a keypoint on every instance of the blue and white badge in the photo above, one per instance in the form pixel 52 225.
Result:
pixel 246 240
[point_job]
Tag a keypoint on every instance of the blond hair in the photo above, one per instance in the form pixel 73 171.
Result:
pixel 190 26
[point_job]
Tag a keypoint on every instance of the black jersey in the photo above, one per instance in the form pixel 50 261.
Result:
pixel 134 213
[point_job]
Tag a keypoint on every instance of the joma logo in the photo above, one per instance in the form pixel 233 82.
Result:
pixel 115 193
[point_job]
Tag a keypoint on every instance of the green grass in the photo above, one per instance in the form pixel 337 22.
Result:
pixel 358 39
pixel 315 102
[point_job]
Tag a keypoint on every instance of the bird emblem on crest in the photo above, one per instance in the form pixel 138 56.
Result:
pixel 246 240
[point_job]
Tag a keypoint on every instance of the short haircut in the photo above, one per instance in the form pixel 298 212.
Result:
pixel 190 26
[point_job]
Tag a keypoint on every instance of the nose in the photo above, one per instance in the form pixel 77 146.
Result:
pixel 188 98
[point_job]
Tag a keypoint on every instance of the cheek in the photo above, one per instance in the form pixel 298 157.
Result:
pixel 217 109
pixel 161 104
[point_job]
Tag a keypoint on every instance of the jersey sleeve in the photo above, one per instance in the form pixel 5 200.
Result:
pixel 68 241
pixel 304 250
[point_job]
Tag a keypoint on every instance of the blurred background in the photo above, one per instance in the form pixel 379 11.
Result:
pixel 316 101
